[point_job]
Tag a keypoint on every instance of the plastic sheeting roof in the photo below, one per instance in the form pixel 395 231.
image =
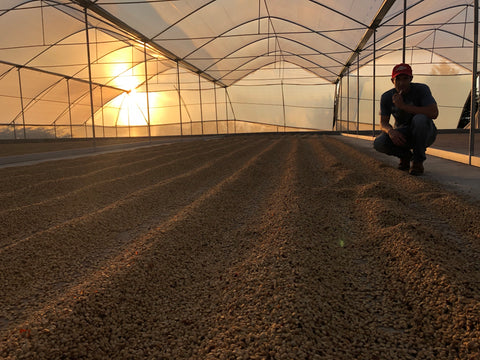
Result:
pixel 225 40
pixel 57 76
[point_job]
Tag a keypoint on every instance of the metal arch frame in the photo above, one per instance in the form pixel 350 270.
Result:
pixel 412 23
pixel 36 98
pixel 424 16
pixel 212 1
pixel 258 68
pixel 122 91
pixel 279 37
pixel 58 42
pixel 16 6
pixel 61 76
pixel 462 6
pixel 400 13
pixel 377 22
pixel 418 47
pixel 266 53
pixel 269 18
pixel 273 61
pixel 88 4
pixel 338 12
pixel 270 23
pixel 60 7
pixel 257 19
pixel 183 18
pixel 122 38
pixel 382 12
pixel 427 49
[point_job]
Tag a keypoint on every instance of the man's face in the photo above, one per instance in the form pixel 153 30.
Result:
pixel 402 83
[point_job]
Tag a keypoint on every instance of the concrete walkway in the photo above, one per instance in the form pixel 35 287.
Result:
pixel 444 164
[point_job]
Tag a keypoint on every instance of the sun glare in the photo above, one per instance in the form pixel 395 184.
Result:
pixel 133 109
pixel 127 82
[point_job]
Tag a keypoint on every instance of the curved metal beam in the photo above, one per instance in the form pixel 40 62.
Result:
pixel 339 13
pixel 267 17
pixel 382 12
pixel 92 6
pixel 273 61
pixel 279 37
pixel 183 18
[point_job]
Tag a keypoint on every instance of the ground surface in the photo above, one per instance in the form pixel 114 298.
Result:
pixel 19 147
pixel 267 247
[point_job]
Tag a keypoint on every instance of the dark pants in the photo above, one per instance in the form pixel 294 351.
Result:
pixel 420 134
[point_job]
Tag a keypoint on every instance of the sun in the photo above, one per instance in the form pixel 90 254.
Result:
pixel 133 109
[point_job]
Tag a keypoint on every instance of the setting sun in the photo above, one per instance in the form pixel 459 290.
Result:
pixel 133 109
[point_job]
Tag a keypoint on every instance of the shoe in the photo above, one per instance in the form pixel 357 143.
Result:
pixel 404 164
pixel 417 168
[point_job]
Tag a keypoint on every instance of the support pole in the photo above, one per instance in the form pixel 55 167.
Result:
pixel 179 99
pixel 404 30
pixel 335 106
pixel 374 79
pixel 233 111
pixel 146 91
pixel 69 108
pixel 23 108
pixel 226 107
pixel 340 105
pixel 103 115
pixel 348 100
pixel 201 105
pixel 216 110
pixel 283 106
pixel 358 92
pixel 92 110
pixel 473 99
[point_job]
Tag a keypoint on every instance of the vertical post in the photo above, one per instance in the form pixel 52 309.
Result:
pixel 473 99
pixel 374 78
pixel 146 91
pixel 358 92
pixel 216 110
pixel 103 115
pixel 179 99
pixel 340 105
pixel 233 111
pixel 283 105
pixel 201 105
pixel 129 127
pixel 348 100
pixel 404 30
pixel 92 111
pixel 335 107
pixel 22 105
pixel 226 107
pixel 69 108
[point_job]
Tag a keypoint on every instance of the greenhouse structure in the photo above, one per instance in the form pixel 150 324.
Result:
pixel 211 180
pixel 144 68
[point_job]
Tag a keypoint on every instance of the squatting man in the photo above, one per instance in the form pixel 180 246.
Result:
pixel 414 108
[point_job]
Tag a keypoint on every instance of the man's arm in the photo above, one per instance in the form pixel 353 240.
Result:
pixel 397 137
pixel 430 110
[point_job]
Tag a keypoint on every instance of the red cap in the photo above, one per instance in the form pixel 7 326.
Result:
pixel 401 69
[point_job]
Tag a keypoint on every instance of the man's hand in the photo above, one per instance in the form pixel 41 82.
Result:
pixel 397 137
pixel 398 100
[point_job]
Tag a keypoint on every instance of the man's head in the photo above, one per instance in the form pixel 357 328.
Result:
pixel 402 77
